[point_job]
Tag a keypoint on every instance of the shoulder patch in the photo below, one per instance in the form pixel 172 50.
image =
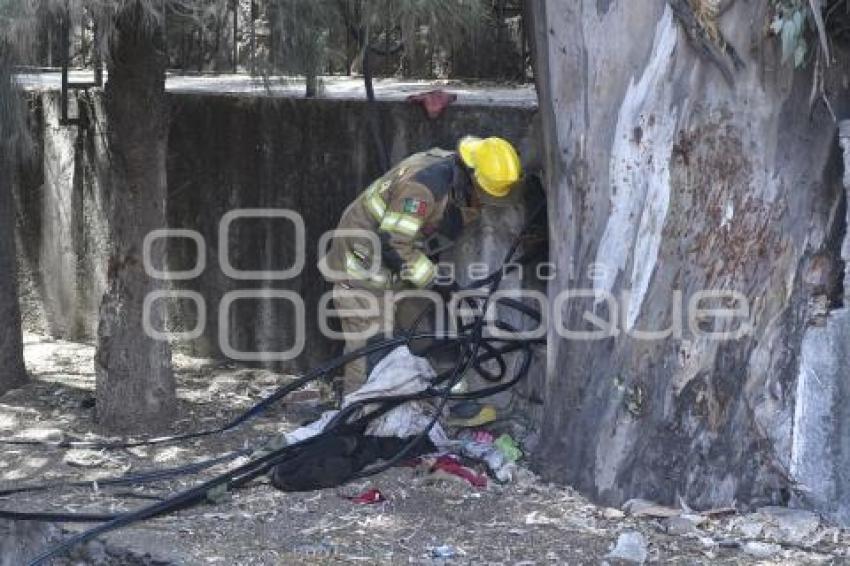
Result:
pixel 414 206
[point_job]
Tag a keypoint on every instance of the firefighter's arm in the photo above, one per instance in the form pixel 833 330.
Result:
pixel 401 234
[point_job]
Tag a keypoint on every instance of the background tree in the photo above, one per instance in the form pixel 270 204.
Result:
pixel 440 26
pixel 15 41
pixel 302 46
pixel 135 383
pixel 445 20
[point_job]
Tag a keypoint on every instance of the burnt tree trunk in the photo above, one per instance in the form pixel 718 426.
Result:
pixel 135 383
pixel 12 370
pixel 666 178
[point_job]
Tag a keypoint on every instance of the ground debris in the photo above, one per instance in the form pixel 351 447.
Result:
pixel 527 521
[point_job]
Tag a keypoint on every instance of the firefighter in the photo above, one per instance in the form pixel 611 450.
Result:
pixel 425 199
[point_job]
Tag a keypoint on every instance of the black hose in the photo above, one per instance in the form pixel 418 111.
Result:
pixel 57 517
pixel 135 479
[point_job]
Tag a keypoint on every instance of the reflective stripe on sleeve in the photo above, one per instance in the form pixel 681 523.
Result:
pixel 355 268
pixel 374 201
pixel 376 206
pixel 420 272
pixel 401 223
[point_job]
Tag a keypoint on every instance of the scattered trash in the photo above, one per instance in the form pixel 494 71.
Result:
pixel 445 551
pixel 483 437
pixel 433 101
pixel 501 468
pixel 631 546
pixel 450 465
pixel 471 415
pixel 368 497
pixel 508 447
pixel 465 409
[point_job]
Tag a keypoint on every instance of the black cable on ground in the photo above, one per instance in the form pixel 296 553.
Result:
pixel 134 479
pixel 57 517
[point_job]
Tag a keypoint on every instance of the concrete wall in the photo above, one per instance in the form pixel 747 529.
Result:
pixel 225 153
pixel 820 452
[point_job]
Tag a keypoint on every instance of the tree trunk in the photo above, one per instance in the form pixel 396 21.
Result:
pixel 311 81
pixel 135 384
pixel 664 177
pixel 12 370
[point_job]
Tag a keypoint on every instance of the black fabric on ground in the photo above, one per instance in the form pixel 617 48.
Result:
pixel 330 461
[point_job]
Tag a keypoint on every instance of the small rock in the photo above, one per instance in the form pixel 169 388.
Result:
pixel 761 549
pixel 631 547
pixel 445 551
pixel 315 552
pixel 611 513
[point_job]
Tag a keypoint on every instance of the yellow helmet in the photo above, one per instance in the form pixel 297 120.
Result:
pixel 494 161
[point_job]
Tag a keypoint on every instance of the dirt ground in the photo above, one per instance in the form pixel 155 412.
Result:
pixel 422 521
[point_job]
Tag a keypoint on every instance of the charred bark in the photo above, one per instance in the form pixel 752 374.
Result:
pixel 135 383
pixel 662 179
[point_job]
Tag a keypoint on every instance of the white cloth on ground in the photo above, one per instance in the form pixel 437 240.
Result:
pixel 398 373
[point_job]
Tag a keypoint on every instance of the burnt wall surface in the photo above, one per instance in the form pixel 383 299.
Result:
pixel 225 153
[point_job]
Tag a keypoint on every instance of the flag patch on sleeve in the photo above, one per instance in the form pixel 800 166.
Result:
pixel 415 206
